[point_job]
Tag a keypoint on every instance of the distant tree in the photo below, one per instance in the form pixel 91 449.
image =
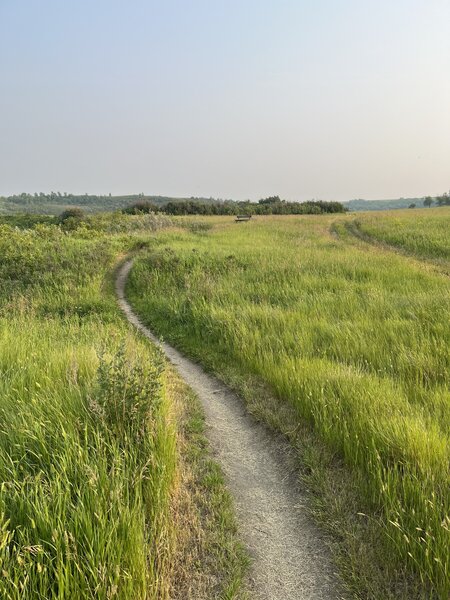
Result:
pixel 140 207
pixel 443 200
pixel 412 205
pixel 270 200
pixel 428 201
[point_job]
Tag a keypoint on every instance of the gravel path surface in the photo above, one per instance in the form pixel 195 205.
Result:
pixel 289 558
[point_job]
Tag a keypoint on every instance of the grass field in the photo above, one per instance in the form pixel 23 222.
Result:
pixel 425 233
pixel 93 494
pixel 353 337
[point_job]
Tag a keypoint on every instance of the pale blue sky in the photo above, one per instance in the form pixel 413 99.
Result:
pixel 242 99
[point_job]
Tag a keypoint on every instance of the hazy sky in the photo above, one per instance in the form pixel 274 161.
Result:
pixel 331 99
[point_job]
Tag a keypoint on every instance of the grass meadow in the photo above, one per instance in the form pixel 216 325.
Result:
pixel 423 233
pixel 353 337
pixel 92 493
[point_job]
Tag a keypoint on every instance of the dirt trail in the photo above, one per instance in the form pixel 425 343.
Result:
pixel 289 558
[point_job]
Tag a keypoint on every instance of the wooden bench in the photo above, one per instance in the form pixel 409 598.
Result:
pixel 240 218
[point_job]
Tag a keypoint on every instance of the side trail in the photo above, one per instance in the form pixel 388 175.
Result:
pixel 289 558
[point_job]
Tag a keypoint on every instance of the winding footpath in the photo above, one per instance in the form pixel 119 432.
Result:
pixel 289 558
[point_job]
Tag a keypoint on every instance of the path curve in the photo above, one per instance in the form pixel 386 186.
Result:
pixel 289 559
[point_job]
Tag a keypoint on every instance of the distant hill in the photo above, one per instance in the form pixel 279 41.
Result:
pixel 55 203
pixel 355 205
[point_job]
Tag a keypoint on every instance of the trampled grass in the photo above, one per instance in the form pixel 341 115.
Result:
pixel 354 337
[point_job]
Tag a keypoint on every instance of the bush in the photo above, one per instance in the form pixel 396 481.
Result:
pixel 71 213
pixel 71 218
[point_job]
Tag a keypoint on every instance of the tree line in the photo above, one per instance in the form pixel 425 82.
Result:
pixel 55 197
pixel 266 206
pixel 443 200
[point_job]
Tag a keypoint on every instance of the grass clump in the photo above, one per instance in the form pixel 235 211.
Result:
pixel 77 488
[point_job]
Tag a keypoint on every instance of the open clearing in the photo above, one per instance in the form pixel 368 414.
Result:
pixel 290 561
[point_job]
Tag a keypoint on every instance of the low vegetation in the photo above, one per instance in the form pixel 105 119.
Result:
pixel 354 338
pixel 425 235
pixel 338 325
pixel 90 499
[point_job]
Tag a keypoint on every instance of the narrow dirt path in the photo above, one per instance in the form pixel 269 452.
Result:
pixel 289 558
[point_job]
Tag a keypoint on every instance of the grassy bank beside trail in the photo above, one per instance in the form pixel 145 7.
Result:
pixel 90 455
pixel 354 340
pixel 210 561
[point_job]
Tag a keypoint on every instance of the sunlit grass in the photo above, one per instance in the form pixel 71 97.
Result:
pixel 87 459
pixel 425 233
pixel 355 338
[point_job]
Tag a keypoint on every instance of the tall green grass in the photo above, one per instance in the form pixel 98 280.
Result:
pixel 87 458
pixel 425 233
pixel 355 338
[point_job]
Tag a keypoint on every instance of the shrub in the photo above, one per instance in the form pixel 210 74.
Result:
pixel 71 218
pixel 71 213
pixel 128 393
